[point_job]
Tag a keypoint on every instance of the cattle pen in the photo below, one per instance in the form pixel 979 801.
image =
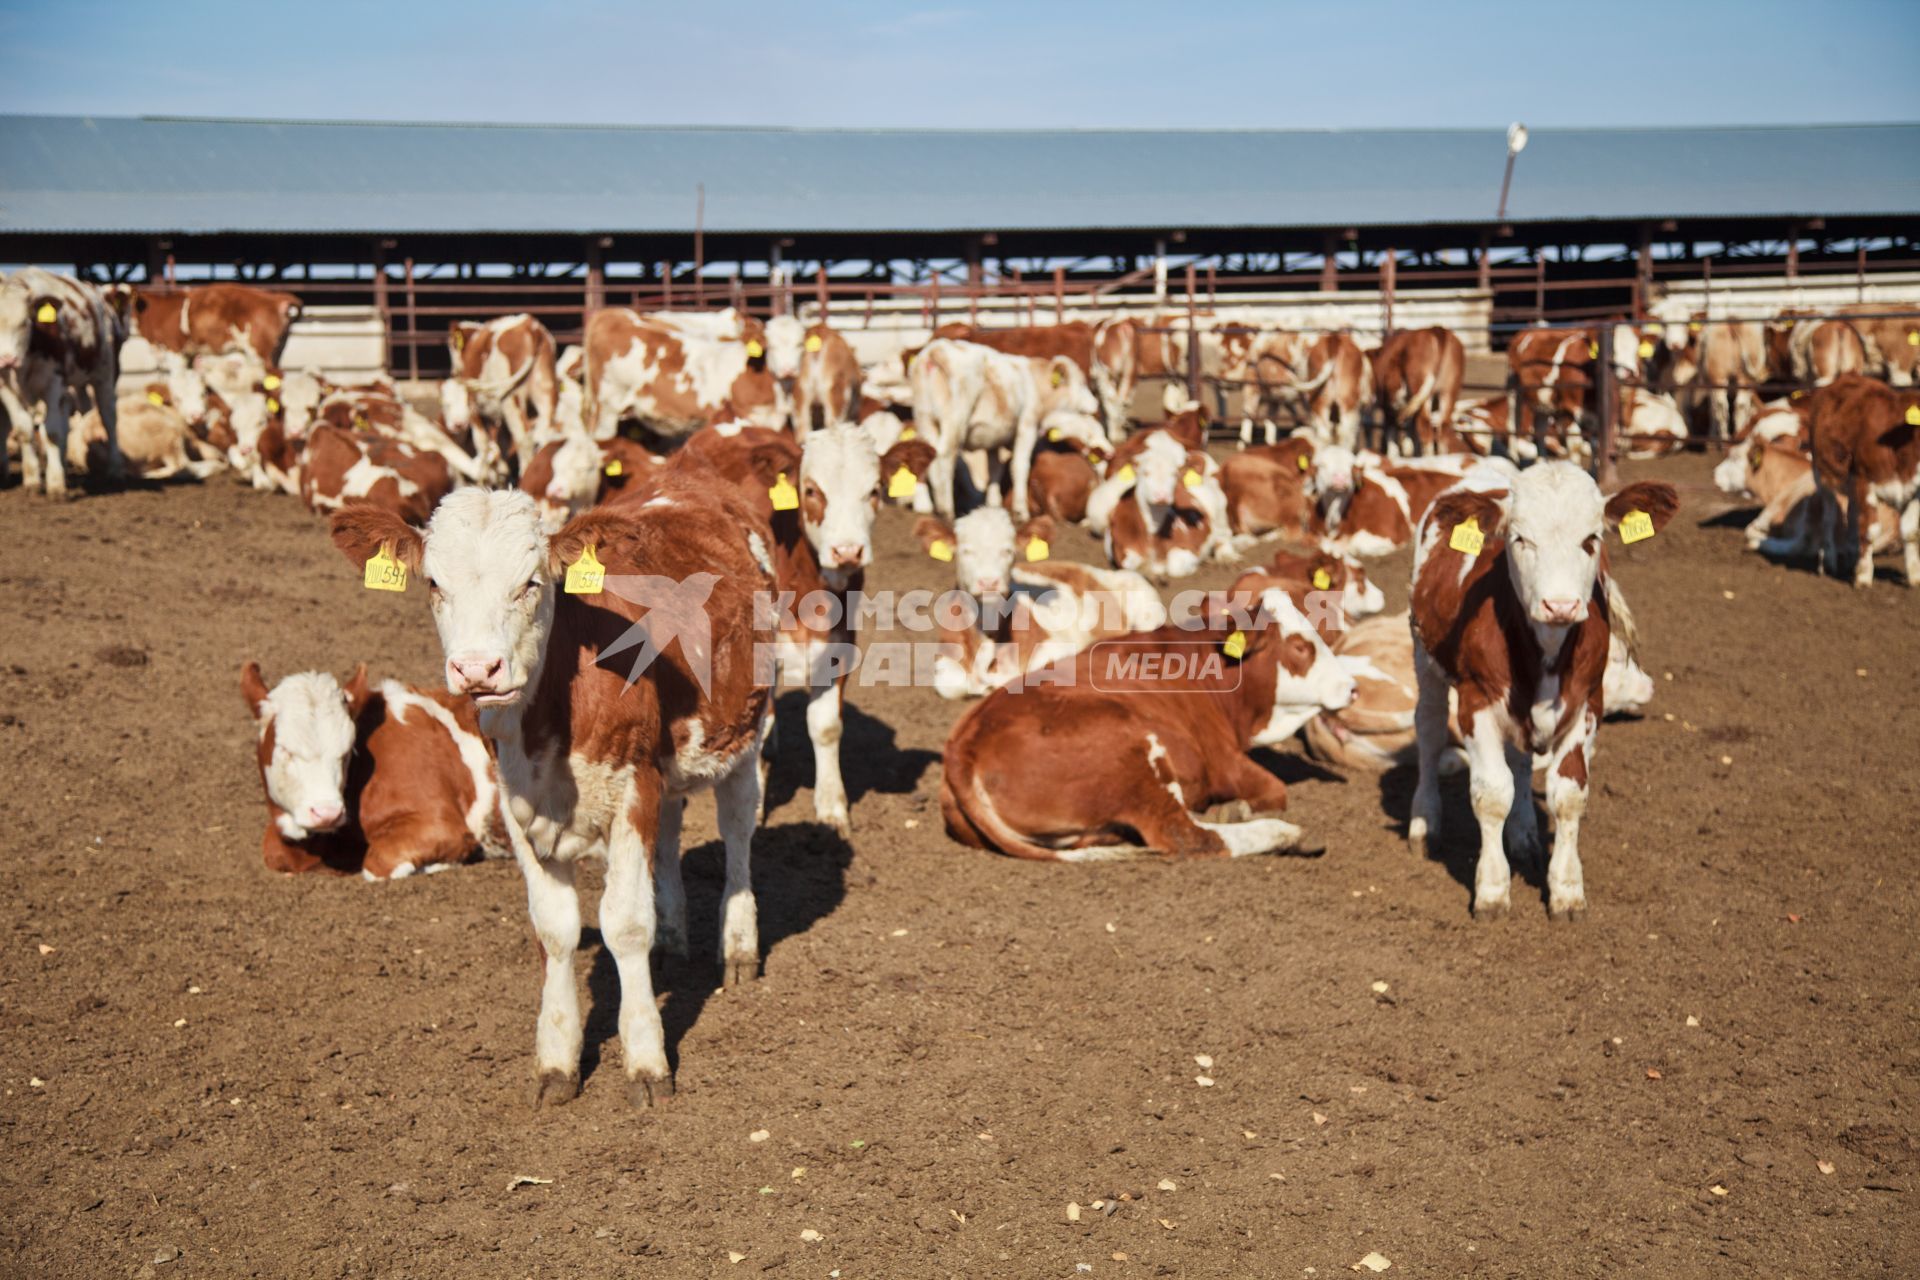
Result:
pixel 519 796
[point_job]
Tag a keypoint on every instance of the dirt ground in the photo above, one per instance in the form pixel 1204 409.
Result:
pixel 209 1070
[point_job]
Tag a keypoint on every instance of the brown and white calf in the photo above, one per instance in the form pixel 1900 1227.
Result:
pixel 1061 479
pixel 1161 511
pixel 827 381
pixel 1866 447
pixel 157 443
pixel 1271 369
pixel 478 453
pixel 381 781
pixel 569 475
pixel 967 396
pixel 1111 754
pixel 1375 732
pixel 503 369
pixel 1369 508
pixel 1416 376
pixel 1339 381
pixel 676 374
pixel 1513 611
pixel 1821 350
pixel 1266 488
pixel 1018 609
pixel 214 319
pixel 822 530
pixel 340 468
pixel 1552 370
pixel 59 344
pixel 606 709
pixel 1483 428
pixel 1891 334
pixel 1724 361
pixel 1330 587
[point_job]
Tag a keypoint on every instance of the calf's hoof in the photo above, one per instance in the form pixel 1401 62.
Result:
pixel 648 1091
pixel 1571 911
pixel 737 971
pixel 671 942
pixel 1490 909
pixel 1417 837
pixel 556 1089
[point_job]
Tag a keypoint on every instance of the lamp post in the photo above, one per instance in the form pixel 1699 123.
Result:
pixel 1516 143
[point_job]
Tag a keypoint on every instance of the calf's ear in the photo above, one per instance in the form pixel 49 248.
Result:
pixel 597 529
pixel 253 687
pixel 360 529
pixel 1041 527
pixel 928 530
pixel 1456 507
pixel 356 691
pixel 1657 498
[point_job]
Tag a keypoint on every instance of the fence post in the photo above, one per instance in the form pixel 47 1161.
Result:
pixel 1059 295
pixel 1539 287
pixel 1608 399
pixel 413 330
pixel 820 292
pixel 1193 342
pixel 1859 272
pixel 933 298
pixel 380 301
pixel 1388 268
pixel 1329 264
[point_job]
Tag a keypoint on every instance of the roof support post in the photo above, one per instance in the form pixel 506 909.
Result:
pixel 1643 275
pixel 1329 264
pixel 413 329
pixel 380 299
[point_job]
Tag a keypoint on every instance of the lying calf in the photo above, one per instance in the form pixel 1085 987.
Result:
pixel 1110 755
pixel 1028 611
pixel 385 782
pixel 343 467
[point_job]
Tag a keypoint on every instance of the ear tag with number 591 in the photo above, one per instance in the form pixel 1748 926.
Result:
pixel 586 576
pixel 383 572
pixel 1635 526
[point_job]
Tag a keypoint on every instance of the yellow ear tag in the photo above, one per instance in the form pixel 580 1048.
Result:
pixel 1693 326
pixel 785 496
pixel 586 576
pixel 273 405
pixel 1191 479
pixel 459 340
pixel 1913 415
pixel 1235 646
pixel 271 382
pixel 1305 464
pixel 902 483
pixel 1593 351
pixel 1913 337
pixel 154 397
pixel 615 469
pixel 383 572
pixel 1636 526
pixel 1322 580
pixel 1126 474
pixel 755 350
pixel 1467 538
pixel 907 433
pixel 1037 549
pixel 360 420
pixel 813 342
pixel 1053 435
pixel 1057 378
pixel 940 549
pixel 1646 349
pixel 46 314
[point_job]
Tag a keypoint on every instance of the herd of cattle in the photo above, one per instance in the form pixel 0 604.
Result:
pixel 601 598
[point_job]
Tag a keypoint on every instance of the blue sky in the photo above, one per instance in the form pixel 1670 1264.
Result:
pixel 973 63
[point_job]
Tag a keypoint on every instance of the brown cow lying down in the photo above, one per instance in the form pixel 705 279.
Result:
pixel 1021 609
pixel 1169 716
pixel 1267 488
pixel 1375 732
pixel 1332 590
pixel 385 781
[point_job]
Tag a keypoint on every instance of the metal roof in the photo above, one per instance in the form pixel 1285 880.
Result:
pixel 167 175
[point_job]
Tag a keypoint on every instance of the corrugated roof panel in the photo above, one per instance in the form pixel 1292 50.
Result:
pixel 67 173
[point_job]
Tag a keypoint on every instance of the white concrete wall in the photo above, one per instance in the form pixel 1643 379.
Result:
pixel 1763 297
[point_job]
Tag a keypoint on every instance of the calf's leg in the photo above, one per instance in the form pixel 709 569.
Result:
pixel 627 924
pixel 554 905
pixel 737 797
pixel 825 699
pixel 669 890
pixel 1492 791
pixel 1430 734
pixel 1567 802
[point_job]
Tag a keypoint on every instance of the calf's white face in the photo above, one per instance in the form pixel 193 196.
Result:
pixel 1157 472
pixel 1625 688
pixel 189 392
pixel 1324 685
pixel 785 338
pixel 983 552
pixel 485 560
pixel 839 496
pixel 16 323
pixel 575 482
pixel 456 404
pixel 306 774
pixel 1554 526
pixel 1360 596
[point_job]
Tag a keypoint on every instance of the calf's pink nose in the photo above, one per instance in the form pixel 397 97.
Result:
pixel 848 555
pixel 1560 610
pixel 323 817
pixel 466 674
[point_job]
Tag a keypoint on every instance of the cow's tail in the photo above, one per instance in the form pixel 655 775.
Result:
pixel 1418 400
pixel 1620 619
